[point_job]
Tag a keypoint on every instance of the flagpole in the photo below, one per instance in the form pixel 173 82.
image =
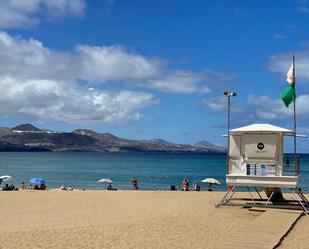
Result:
pixel 294 108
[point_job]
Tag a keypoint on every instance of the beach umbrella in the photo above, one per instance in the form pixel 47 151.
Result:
pixel 5 178
pixel 105 181
pixel 37 180
pixel 211 181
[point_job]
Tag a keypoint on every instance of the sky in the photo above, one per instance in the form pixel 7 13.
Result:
pixel 153 69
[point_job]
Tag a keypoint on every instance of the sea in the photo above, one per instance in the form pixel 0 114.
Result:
pixel 154 171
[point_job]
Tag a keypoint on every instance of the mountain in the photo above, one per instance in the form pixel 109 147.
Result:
pixel 157 141
pixel 209 146
pixel 27 137
pixel 26 127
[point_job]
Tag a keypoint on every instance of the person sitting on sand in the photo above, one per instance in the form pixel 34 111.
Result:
pixel 12 187
pixel 23 185
pixel 110 187
pixel 6 187
pixel 196 187
pixel 134 183
pixel 62 187
pixel 70 188
pixel 39 187
pixel 42 187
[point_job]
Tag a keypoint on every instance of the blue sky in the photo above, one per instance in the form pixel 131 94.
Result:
pixel 152 69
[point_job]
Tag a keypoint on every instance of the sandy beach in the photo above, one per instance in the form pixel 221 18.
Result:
pixel 298 237
pixel 122 219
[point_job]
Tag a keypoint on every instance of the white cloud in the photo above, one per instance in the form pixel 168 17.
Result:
pixel 262 107
pixel 27 13
pixel 114 63
pixel 266 108
pixel 181 82
pixel 42 83
pixel 280 63
pixel 302 105
pixel 216 105
pixel 47 84
pixel 220 105
pixel 63 8
pixel 100 64
pixel 49 100
pixel 30 59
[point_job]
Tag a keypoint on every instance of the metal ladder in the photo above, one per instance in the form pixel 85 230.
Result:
pixel 303 201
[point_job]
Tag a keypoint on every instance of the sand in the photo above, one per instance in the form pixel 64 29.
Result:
pixel 298 237
pixel 120 219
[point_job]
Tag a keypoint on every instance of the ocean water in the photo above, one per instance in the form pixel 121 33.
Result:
pixel 153 170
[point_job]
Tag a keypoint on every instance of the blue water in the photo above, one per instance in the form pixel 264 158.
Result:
pixel 153 170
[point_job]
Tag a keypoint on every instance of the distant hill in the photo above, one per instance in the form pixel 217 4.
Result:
pixel 157 141
pixel 5 131
pixel 25 127
pixel 27 137
pixel 207 145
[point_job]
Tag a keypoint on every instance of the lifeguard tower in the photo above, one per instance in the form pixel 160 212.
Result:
pixel 256 160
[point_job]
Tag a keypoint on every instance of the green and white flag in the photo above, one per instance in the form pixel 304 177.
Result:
pixel 288 94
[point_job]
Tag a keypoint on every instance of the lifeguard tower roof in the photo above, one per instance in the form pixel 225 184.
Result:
pixel 262 128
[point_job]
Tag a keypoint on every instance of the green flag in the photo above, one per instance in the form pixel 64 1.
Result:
pixel 288 95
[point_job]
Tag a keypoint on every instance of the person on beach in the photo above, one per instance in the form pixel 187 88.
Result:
pixel 23 185
pixel 134 183
pixel 196 187
pixel 6 187
pixel 185 185
pixel 110 187
pixel 39 187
